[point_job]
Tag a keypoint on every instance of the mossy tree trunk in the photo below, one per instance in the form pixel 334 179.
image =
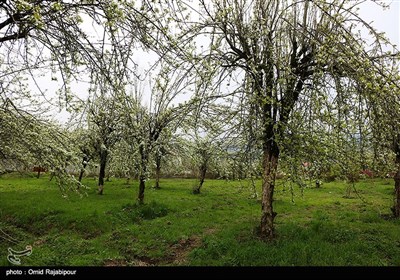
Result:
pixel 270 165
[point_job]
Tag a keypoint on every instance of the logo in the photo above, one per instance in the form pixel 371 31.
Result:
pixel 13 256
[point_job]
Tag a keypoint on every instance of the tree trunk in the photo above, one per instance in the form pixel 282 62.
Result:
pixel 270 165
pixel 253 187
pixel 142 185
pixel 142 173
pixel 38 173
pixel 203 171
pixel 158 173
pixel 102 173
pixel 52 174
pixel 81 175
pixel 396 206
pixel 82 171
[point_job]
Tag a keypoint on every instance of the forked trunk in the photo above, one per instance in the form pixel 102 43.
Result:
pixel 102 173
pixel 270 165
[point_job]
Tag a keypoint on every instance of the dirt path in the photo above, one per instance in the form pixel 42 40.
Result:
pixel 176 255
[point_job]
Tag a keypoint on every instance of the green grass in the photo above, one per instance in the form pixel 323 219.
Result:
pixel 317 227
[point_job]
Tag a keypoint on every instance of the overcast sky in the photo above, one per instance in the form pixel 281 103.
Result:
pixel 387 20
pixel 384 20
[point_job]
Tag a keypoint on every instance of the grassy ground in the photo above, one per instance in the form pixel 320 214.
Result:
pixel 317 227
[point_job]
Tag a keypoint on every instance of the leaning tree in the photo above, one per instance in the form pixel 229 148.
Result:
pixel 37 38
pixel 144 124
pixel 210 134
pixel 281 51
pixel 104 115
pixel 300 49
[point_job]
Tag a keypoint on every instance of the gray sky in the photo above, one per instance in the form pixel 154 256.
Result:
pixel 384 20
pixel 387 20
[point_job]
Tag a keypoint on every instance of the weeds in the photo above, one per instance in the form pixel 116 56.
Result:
pixel 174 227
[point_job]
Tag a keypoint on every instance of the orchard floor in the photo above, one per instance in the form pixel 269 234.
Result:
pixel 315 227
